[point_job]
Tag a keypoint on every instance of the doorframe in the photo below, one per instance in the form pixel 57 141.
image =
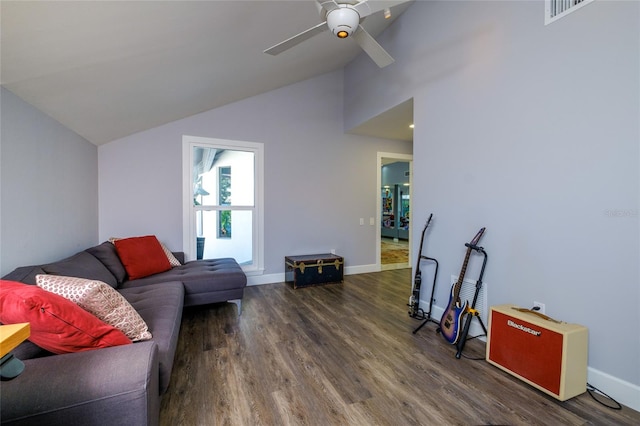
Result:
pixel 400 157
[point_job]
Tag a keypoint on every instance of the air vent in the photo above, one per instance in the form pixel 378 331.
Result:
pixel 406 174
pixel 556 9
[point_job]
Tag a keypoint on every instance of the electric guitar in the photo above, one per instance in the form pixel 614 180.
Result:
pixel 414 300
pixel 452 317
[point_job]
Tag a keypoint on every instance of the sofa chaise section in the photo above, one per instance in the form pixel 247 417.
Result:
pixel 205 281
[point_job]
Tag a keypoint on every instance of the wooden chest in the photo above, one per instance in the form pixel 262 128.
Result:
pixel 313 269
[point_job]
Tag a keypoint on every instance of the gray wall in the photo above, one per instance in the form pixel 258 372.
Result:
pixel 531 131
pixel 318 180
pixel 48 187
pixel 394 174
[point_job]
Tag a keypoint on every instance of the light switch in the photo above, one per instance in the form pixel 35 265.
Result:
pixel 362 221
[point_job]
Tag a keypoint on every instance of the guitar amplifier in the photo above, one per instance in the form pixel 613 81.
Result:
pixel 550 356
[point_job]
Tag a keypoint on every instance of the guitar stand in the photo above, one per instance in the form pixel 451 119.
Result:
pixel 473 313
pixel 426 316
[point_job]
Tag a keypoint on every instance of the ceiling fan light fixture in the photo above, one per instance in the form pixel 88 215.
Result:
pixel 343 21
pixel 343 18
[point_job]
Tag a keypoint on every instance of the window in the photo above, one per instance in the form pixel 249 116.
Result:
pixel 224 199
pixel 222 185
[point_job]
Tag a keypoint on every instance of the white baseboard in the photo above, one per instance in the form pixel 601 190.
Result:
pixel 280 277
pixel 361 269
pixel 265 279
pixel 624 392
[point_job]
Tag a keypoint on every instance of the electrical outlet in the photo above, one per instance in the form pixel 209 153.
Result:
pixel 539 305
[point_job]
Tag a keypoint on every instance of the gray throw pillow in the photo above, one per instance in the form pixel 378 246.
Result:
pixel 107 254
pixel 82 265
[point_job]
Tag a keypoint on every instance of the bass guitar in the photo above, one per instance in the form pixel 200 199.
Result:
pixel 452 317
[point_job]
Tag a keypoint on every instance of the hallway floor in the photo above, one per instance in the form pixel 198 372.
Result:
pixel 394 254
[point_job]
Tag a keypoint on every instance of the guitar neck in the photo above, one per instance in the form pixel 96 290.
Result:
pixel 463 271
pixel 424 231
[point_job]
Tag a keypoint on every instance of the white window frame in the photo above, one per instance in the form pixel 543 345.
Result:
pixel 188 209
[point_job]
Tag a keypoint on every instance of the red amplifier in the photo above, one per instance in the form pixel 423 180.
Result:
pixel 548 355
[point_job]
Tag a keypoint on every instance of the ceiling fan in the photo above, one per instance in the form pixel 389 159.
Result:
pixel 343 18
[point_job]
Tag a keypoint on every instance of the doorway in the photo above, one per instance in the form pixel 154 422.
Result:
pixel 396 124
pixel 394 210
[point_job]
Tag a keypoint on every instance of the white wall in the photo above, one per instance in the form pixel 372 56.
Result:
pixel 318 181
pixel 531 131
pixel 48 186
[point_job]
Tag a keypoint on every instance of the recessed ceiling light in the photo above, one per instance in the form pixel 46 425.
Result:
pixel 411 126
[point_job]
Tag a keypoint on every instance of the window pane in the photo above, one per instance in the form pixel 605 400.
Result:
pixel 224 224
pixel 224 181
pixel 223 177
pixel 237 243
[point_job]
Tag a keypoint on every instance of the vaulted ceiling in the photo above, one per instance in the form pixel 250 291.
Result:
pixel 107 69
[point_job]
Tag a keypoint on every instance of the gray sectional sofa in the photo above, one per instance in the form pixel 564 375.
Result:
pixel 120 385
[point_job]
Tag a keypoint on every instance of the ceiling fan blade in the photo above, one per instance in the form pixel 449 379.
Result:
pixel 372 48
pixel 328 5
pixel 366 8
pixel 296 39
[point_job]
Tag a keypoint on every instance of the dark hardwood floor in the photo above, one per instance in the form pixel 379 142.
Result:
pixel 344 354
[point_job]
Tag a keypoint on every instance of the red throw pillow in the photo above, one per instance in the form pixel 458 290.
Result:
pixel 57 324
pixel 142 256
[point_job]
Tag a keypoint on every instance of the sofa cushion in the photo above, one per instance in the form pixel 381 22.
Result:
pixel 205 281
pixel 160 306
pixel 57 325
pixel 29 350
pixel 82 265
pixel 142 256
pixel 107 254
pixel 25 274
pixel 100 300
pixel 200 276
